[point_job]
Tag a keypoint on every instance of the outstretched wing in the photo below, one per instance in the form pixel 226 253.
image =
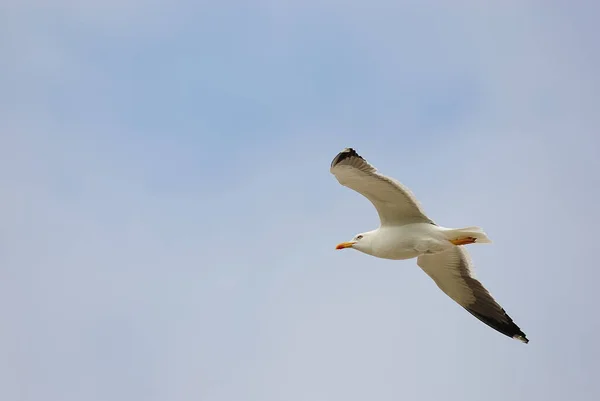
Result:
pixel 451 270
pixel 395 204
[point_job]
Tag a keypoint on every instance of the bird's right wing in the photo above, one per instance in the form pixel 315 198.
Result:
pixel 395 204
pixel 451 270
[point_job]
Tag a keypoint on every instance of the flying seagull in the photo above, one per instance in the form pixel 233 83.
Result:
pixel 405 232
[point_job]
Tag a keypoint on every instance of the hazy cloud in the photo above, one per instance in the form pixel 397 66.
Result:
pixel 168 217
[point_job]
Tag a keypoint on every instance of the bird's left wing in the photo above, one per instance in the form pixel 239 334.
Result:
pixel 395 204
pixel 452 272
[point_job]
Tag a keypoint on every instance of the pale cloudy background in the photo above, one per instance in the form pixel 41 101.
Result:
pixel 168 218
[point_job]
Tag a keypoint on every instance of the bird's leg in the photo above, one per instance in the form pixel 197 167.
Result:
pixel 463 240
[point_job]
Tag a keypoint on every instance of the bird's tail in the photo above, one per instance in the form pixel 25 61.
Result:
pixel 467 232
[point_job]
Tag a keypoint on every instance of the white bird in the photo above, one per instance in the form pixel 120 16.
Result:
pixel 405 232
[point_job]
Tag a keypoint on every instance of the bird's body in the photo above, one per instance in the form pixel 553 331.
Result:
pixel 403 242
pixel 412 240
pixel 405 232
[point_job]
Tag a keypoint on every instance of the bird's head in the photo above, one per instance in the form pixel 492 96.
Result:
pixel 360 242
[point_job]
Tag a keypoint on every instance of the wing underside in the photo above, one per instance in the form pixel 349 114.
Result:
pixel 452 272
pixel 395 203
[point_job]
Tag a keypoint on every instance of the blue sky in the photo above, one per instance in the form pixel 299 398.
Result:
pixel 169 220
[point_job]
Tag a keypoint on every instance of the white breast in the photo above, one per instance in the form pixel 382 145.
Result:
pixel 408 241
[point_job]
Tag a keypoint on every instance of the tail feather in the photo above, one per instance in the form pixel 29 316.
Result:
pixel 475 232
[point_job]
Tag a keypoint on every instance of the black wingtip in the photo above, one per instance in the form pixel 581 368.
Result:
pixel 343 155
pixel 508 328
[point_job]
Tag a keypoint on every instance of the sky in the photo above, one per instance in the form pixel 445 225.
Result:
pixel 168 219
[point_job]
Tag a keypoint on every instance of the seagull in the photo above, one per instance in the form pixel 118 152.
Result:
pixel 405 232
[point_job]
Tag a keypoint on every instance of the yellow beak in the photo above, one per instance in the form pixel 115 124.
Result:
pixel 345 245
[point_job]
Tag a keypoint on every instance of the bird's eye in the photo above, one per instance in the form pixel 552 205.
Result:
pixel 359 237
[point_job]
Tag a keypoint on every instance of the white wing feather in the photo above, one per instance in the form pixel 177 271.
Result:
pixel 452 272
pixel 395 204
